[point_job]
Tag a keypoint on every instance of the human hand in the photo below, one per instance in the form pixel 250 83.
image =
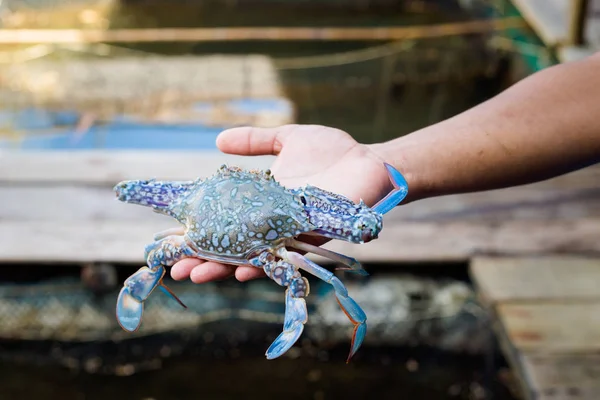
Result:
pixel 306 154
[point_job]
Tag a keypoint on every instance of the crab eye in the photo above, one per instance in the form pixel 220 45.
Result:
pixel 303 199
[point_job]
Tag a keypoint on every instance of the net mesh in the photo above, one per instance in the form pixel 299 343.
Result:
pixel 403 310
pixel 375 91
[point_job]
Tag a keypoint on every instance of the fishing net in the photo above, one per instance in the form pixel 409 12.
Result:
pixel 403 310
pixel 375 91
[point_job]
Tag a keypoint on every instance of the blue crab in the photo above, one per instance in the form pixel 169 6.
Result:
pixel 242 217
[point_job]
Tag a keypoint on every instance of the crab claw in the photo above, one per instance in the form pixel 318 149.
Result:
pixel 350 307
pixel 296 315
pixel 353 266
pixel 136 289
pixel 398 194
pixel 129 311
pixel 358 318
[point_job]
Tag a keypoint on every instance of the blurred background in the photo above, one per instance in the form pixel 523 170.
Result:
pixel 96 91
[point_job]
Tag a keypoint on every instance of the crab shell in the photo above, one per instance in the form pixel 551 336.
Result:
pixel 236 214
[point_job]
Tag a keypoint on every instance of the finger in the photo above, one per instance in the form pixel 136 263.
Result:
pixel 181 270
pixel 251 141
pixel 244 274
pixel 211 271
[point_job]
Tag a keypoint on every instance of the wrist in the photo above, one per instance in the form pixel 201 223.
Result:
pixel 397 153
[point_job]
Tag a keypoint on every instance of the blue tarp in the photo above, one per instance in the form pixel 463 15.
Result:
pixel 121 136
pixel 50 130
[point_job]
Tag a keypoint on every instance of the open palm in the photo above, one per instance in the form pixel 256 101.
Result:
pixel 306 154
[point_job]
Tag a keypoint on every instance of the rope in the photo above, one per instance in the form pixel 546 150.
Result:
pixel 350 57
pixel 38 51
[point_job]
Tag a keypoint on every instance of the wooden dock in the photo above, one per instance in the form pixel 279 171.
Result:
pixel 275 33
pixel 59 207
pixel 570 27
pixel 534 249
pixel 546 312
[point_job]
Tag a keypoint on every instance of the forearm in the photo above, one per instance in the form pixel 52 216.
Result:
pixel 545 125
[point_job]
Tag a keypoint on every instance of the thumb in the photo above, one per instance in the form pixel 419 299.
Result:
pixel 251 141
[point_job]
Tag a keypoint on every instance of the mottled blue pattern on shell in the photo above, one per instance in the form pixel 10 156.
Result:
pixel 236 211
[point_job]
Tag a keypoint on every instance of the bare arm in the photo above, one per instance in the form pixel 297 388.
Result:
pixel 545 125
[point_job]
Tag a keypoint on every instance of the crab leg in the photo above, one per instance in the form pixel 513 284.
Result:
pixel 296 314
pixel 138 287
pixel 168 232
pixel 398 194
pixel 353 264
pixel 352 310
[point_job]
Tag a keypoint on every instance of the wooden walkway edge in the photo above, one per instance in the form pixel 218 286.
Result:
pixel 546 315
pixel 62 203
pixel 554 22
pixel 53 36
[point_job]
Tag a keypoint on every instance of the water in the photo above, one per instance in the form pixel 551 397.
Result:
pixel 382 373
pixel 48 130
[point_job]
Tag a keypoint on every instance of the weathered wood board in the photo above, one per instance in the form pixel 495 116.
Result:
pixel 575 53
pixel 553 347
pixel 551 20
pixel 547 312
pixel 562 376
pixel 556 326
pixel 42 169
pixel 534 279
pixel 592 29
pixel 63 203
pixel 66 240
pixel 203 34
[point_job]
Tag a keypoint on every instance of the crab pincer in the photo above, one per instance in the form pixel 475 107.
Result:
pixel 138 287
pixel 296 315
pixel 352 310
pixel 398 193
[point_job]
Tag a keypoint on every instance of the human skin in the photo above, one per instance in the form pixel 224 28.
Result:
pixel 545 125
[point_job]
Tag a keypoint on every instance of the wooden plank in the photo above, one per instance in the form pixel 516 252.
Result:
pixel 30 201
pixel 54 36
pixel 552 347
pixel 111 240
pixel 104 167
pixel 552 20
pixel 552 327
pixel 546 375
pixel 534 279
pixel 574 53
pixel 60 14
pixel 108 167
pixel 578 16
pixel 45 193
pixel 562 376
pixel 549 18
pixel 546 312
pixel 592 25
